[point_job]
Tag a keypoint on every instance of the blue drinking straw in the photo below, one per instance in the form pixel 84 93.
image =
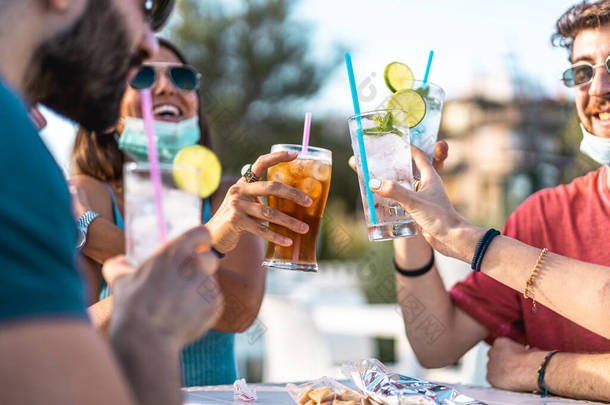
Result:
pixel 363 161
pixel 430 56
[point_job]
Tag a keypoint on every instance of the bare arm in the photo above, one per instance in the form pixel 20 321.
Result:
pixel 511 262
pixel 241 278
pixel 439 332
pixel 58 362
pixel 104 238
pixel 580 376
pixel 507 260
pixel 514 367
pixel 242 281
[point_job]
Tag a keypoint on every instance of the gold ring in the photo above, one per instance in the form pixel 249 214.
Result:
pixel 416 184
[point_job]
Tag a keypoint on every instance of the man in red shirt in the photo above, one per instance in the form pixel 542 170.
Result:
pixel 571 220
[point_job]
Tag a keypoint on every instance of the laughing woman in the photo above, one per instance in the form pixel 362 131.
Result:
pixel 233 214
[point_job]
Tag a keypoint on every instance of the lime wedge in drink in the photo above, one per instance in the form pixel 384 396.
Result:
pixel 206 180
pixel 398 76
pixel 412 102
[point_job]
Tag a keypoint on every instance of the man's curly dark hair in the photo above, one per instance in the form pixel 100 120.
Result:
pixel 580 17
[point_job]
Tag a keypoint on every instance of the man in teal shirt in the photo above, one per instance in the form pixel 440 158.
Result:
pixel 66 54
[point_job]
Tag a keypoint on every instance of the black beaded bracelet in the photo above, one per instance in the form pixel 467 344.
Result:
pixel 544 391
pixel 417 272
pixel 482 246
pixel 217 253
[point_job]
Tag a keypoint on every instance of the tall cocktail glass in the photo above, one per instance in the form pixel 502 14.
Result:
pixel 425 134
pixel 310 173
pixel 181 208
pixel 388 153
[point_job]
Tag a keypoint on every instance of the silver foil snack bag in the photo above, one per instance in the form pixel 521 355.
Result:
pixel 376 381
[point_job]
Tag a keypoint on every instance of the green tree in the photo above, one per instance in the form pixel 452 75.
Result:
pixel 256 66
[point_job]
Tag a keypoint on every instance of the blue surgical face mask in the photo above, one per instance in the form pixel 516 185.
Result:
pixel 171 138
pixel 595 147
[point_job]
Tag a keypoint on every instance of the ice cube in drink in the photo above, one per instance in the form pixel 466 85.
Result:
pixel 182 211
pixel 388 155
pixel 311 174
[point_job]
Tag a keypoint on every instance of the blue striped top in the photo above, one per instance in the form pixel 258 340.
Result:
pixel 211 359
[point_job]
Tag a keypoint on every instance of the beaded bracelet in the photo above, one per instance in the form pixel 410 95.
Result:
pixel 529 284
pixel 544 391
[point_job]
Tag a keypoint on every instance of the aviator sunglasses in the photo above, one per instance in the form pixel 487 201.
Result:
pixel 184 77
pixel 157 12
pixel 582 73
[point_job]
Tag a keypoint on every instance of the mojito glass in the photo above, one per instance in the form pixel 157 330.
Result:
pixel 310 173
pixel 387 147
pixel 425 134
pixel 181 209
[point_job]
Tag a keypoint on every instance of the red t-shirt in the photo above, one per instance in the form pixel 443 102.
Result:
pixel 571 220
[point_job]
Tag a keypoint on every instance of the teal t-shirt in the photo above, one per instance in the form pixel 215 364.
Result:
pixel 38 276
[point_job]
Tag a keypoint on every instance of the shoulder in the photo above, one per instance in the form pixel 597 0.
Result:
pixel 90 185
pixel 556 198
pixel 98 196
pixel 550 206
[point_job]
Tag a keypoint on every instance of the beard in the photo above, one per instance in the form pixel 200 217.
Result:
pixel 81 73
pixel 595 104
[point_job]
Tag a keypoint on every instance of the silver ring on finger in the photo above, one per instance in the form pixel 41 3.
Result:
pixel 248 174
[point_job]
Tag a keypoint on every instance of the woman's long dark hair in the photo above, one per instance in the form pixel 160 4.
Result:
pixel 98 155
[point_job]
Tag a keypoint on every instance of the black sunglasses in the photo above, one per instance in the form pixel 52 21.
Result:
pixel 582 73
pixel 184 77
pixel 157 12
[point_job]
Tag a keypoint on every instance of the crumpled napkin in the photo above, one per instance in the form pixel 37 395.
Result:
pixel 243 392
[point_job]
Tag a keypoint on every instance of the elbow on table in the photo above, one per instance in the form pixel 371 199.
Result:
pixel 435 361
pixel 435 356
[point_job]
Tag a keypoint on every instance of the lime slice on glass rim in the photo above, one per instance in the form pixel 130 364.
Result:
pixel 398 76
pixel 203 182
pixel 412 102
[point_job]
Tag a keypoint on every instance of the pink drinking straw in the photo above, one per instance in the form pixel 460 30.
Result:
pixel 296 244
pixel 153 159
pixel 306 132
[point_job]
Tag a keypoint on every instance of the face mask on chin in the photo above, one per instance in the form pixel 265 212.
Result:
pixel 171 138
pixel 595 147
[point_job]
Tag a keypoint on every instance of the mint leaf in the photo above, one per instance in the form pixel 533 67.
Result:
pixel 384 126
pixel 387 121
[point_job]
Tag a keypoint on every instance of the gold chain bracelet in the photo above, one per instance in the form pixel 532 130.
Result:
pixel 529 284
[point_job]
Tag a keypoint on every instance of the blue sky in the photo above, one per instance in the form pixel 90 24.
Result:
pixel 471 40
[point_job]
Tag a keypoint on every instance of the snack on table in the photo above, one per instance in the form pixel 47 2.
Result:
pixel 326 391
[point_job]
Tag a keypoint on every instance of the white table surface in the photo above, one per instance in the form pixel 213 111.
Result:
pixel 276 394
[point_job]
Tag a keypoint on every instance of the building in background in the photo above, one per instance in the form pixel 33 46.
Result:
pixel 505 143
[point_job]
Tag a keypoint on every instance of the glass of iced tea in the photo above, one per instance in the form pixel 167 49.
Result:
pixel 310 173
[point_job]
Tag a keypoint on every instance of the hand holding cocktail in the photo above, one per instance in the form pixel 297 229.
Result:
pixel 429 207
pixel 311 174
pixel 241 211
